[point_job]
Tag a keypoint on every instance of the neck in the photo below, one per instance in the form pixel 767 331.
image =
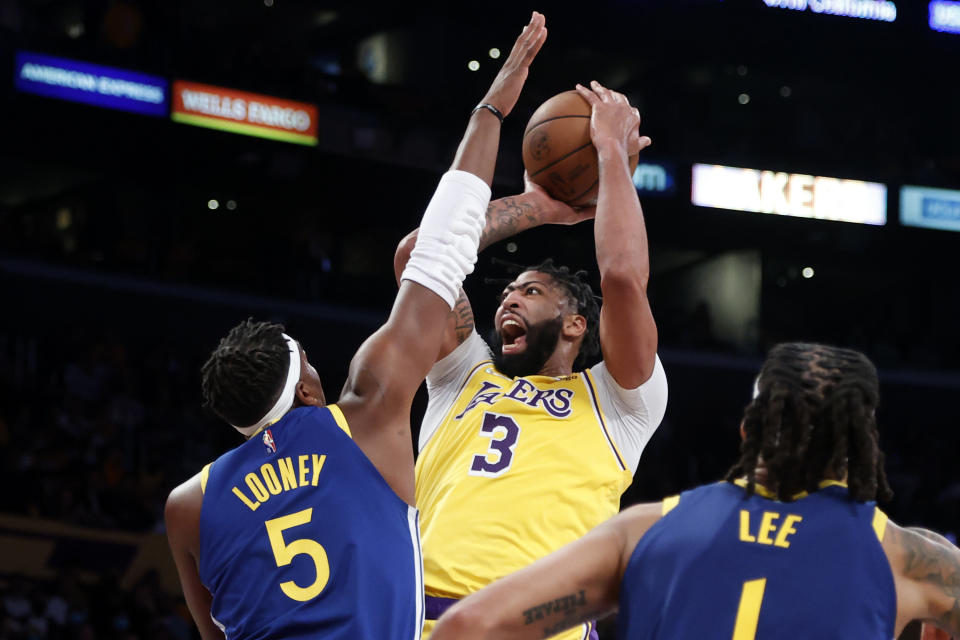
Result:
pixel 559 364
pixel 556 371
pixel 761 476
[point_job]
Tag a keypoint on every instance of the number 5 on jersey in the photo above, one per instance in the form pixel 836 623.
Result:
pixel 503 432
pixel 284 553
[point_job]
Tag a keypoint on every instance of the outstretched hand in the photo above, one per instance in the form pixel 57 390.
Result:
pixel 613 120
pixel 553 211
pixel 505 90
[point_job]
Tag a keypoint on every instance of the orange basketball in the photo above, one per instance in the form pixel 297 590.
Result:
pixel 558 154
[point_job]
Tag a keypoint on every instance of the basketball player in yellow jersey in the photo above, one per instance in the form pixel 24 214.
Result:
pixel 791 545
pixel 521 451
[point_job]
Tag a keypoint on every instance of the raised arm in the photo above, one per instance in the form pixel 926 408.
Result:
pixel 505 217
pixel 628 334
pixel 926 571
pixel 577 583
pixel 389 367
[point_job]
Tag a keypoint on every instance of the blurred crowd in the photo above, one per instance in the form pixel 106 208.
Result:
pixel 69 608
pixel 92 432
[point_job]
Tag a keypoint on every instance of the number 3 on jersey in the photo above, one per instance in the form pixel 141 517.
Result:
pixel 503 432
pixel 284 553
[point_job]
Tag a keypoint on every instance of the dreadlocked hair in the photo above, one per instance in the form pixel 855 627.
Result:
pixel 580 296
pixel 244 375
pixel 813 419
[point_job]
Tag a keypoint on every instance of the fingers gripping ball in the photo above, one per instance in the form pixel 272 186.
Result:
pixel 558 154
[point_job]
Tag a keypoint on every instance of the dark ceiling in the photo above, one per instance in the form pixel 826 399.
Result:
pixel 827 95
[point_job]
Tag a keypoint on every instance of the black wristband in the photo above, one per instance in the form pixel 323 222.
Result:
pixel 492 109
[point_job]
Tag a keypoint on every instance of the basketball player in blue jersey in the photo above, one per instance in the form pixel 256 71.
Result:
pixel 307 529
pixel 522 449
pixel 791 545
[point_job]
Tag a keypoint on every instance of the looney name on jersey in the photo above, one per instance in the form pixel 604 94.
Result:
pixel 278 476
pixel 556 402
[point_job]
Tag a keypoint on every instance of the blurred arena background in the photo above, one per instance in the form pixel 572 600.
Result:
pixel 132 234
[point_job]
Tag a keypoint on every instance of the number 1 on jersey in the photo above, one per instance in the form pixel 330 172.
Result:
pixel 503 432
pixel 748 613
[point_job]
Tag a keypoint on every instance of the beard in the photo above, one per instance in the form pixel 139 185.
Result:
pixel 541 343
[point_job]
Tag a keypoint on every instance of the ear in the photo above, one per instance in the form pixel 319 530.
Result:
pixel 743 431
pixel 307 396
pixel 574 326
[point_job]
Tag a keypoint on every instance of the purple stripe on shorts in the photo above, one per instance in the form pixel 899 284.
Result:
pixel 592 631
pixel 437 605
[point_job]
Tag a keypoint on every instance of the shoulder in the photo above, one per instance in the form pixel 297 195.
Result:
pixel 926 571
pixel 914 552
pixel 632 524
pixel 651 396
pixel 186 498
pixel 452 368
pixel 632 415
pixel 182 510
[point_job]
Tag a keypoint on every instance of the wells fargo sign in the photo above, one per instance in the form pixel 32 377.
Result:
pixel 246 113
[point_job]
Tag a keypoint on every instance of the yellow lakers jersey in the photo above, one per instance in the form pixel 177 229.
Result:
pixel 517 469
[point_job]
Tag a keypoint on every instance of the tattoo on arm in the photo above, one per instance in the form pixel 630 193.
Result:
pixel 507 217
pixel 462 318
pixel 928 560
pixel 562 613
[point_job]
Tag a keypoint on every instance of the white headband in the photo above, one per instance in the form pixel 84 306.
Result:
pixel 285 401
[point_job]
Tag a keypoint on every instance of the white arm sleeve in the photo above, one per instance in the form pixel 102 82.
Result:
pixel 446 246
pixel 445 379
pixel 632 415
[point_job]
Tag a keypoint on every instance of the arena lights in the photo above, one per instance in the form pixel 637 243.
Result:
pixel 945 16
pixel 90 84
pixel 789 194
pixel 654 178
pixel 882 10
pixel 930 208
pixel 246 113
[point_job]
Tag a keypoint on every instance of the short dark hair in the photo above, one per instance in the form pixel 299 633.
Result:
pixel 244 375
pixel 581 297
pixel 813 418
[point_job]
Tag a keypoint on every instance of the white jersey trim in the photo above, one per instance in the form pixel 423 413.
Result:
pixel 413 521
pixel 219 626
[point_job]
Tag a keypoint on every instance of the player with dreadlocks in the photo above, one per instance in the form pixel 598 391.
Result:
pixel 522 450
pixel 813 419
pixel 791 545
pixel 308 529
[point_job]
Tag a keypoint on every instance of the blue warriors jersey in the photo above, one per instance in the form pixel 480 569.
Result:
pixel 722 565
pixel 301 537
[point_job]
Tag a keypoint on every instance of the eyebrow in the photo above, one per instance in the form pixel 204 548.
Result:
pixel 513 287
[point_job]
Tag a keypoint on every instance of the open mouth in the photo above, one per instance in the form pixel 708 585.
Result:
pixel 514 336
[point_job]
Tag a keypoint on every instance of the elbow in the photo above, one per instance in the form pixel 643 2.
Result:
pixel 462 622
pixel 402 255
